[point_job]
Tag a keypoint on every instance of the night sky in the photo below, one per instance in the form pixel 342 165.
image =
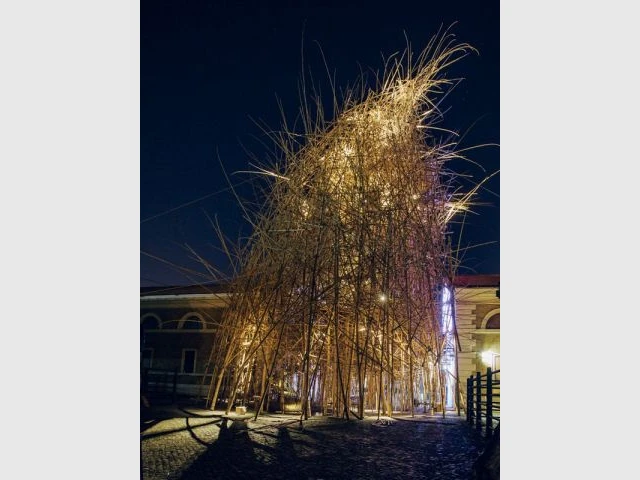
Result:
pixel 208 68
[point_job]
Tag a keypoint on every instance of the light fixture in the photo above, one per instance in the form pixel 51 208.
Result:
pixel 487 357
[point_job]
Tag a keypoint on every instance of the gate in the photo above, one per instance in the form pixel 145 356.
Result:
pixel 483 400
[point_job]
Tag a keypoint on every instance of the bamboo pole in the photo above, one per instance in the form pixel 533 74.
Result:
pixel 354 208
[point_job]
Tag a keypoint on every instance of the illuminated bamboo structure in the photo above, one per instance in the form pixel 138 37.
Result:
pixel 337 307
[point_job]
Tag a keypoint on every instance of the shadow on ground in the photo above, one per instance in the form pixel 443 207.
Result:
pixel 329 448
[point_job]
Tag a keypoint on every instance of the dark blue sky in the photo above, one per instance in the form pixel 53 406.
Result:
pixel 208 68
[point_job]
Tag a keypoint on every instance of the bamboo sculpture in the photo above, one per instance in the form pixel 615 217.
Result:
pixel 336 306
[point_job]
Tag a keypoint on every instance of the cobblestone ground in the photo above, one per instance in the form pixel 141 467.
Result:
pixel 196 445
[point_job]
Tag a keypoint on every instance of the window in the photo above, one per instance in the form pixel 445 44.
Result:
pixel 192 323
pixel 188 361
pixel 494 322
pixel 147 358
pixel 150 323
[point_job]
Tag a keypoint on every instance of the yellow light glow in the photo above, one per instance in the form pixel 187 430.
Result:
pixel 487 357
pixel 347 150
pixel 382 297
pixel 293 407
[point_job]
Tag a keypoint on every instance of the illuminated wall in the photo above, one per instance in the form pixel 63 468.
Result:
pixel 477 312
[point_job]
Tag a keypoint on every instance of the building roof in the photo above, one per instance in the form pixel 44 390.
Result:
pixel 489 280
pixel 461 281
pixel 185 289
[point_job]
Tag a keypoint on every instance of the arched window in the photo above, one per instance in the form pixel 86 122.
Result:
pixel 150 322
pixel 192 323
pixel 491 320
pixel 493 323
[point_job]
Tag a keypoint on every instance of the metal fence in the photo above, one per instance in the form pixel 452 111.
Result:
pixel 159 382
pixel 483 400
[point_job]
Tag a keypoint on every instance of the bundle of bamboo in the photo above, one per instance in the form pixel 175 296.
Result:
pixel 336 305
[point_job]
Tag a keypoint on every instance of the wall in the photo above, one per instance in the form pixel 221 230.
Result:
pixel 473 304
pixel 169 340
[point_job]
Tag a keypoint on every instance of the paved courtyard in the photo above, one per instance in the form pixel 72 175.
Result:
pixel 198 444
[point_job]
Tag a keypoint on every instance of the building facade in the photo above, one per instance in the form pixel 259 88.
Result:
pixel 177 329
pixel 178 326
pixel 477 313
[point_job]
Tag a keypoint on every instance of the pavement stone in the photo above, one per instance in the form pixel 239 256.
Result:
pixel 194 444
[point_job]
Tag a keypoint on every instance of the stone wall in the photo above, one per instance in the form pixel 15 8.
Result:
pixel 472 305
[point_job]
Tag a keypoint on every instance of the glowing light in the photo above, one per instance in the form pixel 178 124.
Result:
pixel 385 197
pixel 448 355
pixel 447 317
pixel 487 357
pixel 293 407
pixel 305 209
pixel 382 297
